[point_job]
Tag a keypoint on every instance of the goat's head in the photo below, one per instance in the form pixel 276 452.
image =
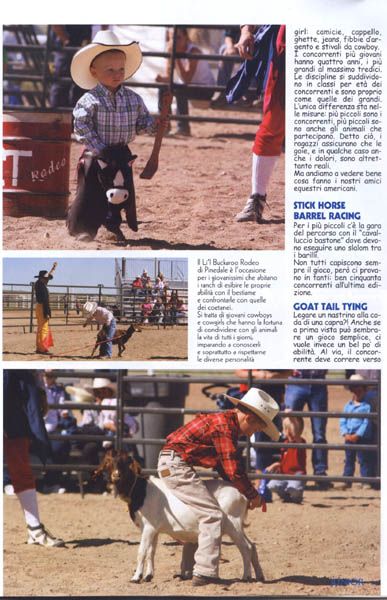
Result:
pixel 122 471
pixel 133 329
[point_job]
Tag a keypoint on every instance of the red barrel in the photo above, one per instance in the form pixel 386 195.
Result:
pixel 36 165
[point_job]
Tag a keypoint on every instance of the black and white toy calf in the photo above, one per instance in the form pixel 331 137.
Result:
pixel 105 188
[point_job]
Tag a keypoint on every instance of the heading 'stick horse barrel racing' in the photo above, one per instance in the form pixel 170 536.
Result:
pixel 36 163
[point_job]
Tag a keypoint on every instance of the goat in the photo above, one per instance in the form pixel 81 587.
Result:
pixel 120 338
pixel 154 509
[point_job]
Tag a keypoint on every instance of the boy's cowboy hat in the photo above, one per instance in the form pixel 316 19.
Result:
pixel 103 41
pixel 101 382
pixel 79 394
pixel 263 406
pixel 89 308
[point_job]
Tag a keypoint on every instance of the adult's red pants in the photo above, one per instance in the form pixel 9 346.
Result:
pixel 270 136
pixel 16 454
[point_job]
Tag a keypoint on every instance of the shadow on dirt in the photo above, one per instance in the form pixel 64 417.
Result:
pixel 95 543
pixel 323 581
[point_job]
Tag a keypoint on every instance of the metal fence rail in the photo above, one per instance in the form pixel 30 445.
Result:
pixel 124 387
pixel 40 75
pixel 21 297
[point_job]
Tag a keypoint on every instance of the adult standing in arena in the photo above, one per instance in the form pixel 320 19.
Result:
pixel 104 317
pixel 44 339
pixel 24 407
pixel 263 47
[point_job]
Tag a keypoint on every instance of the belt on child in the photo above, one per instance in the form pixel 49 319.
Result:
pixel 170 453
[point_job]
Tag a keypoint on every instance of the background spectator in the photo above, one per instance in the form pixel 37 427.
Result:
pixel 158 312
pixel 181 311
pixel 357 430
pixel 146 310
pixel 316 398
pixel 225 67
pixel 66 93
pixel 137 286
pixel 144 278
pixel 292 462
pixel 58 421
pixel 372 398
pixel 189 71
pixel 88 425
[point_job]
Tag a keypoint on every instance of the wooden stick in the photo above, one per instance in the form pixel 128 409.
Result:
pixel 153 162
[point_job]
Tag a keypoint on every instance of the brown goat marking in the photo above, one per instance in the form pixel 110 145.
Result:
pixel 129 472
pixel 120 338
pixel 106 465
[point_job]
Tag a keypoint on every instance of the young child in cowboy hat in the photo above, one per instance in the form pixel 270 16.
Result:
pixel 292 462
pixel 108 115
pixel 105 318
pixel 211 440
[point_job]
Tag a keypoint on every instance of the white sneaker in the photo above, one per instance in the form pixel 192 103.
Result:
pixel 247 213
pixel 253 209
pixel 40 535
pixel 259 203
pixel 84 237
pixel 8 490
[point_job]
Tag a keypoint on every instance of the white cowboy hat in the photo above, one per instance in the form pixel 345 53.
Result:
pixel 356 377
pixel 263 406
pixel 90 307
pixel 103 41
pixel 101 382
pixel 79 394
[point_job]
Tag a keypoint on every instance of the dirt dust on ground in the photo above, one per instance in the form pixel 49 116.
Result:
pixel 190 204
pixel 328 546
pixel 73 342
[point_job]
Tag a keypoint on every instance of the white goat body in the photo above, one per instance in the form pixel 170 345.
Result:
pixel 163 512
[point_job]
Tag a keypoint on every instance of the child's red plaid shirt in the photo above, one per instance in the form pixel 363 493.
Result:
pixel 211 441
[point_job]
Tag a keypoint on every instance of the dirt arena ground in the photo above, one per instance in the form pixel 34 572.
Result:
pixel 72 342
pixel 190 204
pixel 328 546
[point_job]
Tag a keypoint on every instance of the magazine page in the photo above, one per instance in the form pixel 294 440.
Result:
pixel 193 299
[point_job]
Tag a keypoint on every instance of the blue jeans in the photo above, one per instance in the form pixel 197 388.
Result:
pixel 106 349
pixel 372 398
pixel 316 397
pixel 225 68
pixel 60 454
pixel 266 456
pixel 364 461
pixel 290 490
